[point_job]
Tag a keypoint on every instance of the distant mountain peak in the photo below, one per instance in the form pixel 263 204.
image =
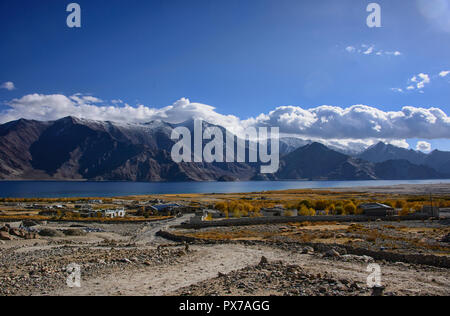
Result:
pixel 313 146
pixel 380 144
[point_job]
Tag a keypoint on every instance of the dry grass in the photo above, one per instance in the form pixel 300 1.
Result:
pixel 81 219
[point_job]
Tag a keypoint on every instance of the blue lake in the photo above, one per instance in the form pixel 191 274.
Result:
pixel 29 189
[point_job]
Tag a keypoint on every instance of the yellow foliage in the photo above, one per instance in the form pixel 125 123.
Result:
pixel 350 208
pixel 305 211
pixel 404 211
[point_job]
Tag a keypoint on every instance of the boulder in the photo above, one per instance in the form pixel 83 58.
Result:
pixel 332 254
pixel 75 232
pixel 14 224
pixel 17 232
pixel 31 236
pixel 48 232
pixel 263 261
pixel 5 236
pixel 308 250
pixel 365 259
pixel 29 223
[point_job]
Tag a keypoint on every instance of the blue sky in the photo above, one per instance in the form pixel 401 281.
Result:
pixel 242 57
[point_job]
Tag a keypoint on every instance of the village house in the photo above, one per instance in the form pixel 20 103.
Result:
pixel 165 209
pixel 96 201
pixel 278 211
pixel 213 214
pixel 377 209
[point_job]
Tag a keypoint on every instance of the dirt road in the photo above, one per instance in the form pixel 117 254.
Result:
pixel 148 233
pixel 207 261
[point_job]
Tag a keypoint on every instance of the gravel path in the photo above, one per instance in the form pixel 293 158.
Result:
pixel 210 260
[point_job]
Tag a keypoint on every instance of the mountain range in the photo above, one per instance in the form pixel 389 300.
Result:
pixel 438 160
pixel 78 149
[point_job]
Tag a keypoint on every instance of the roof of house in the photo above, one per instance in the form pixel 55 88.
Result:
pixel 161 207
pixel 212 211
pixel 274 210
pixel 372 206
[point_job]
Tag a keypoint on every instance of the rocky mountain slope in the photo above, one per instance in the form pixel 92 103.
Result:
pixel 72 148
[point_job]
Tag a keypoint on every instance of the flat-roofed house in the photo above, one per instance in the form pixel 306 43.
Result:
pixel 278 211
pixel 166 209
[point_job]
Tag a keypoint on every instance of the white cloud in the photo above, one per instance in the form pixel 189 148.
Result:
pixel 370 49
pixel 423 146
pixel 417 82
pixel 422 80
pixel 85 99
pixel 350 49
pixel 359 122
pixel 358 145
pixel 444 73
pixel 355 126
pixel 8 86
pixel 52 107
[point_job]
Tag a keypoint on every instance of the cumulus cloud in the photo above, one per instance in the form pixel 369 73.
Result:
pixel 52 107
pixel 355 127
pixel 359 122
pixel 423 146
pixel 444 73
pixel 8 86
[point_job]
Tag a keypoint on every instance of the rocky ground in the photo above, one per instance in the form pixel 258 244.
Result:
pixel 275 278
pixel 42 271
pixel 128 259
pixel 408 237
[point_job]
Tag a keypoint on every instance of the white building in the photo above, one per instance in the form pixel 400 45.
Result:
pixel 108 213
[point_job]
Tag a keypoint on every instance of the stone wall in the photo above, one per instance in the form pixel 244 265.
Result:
pixel 294 219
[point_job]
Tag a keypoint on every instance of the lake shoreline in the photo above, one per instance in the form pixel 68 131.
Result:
pixel 38 189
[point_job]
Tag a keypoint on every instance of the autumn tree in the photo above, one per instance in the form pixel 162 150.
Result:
pixel 350 208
